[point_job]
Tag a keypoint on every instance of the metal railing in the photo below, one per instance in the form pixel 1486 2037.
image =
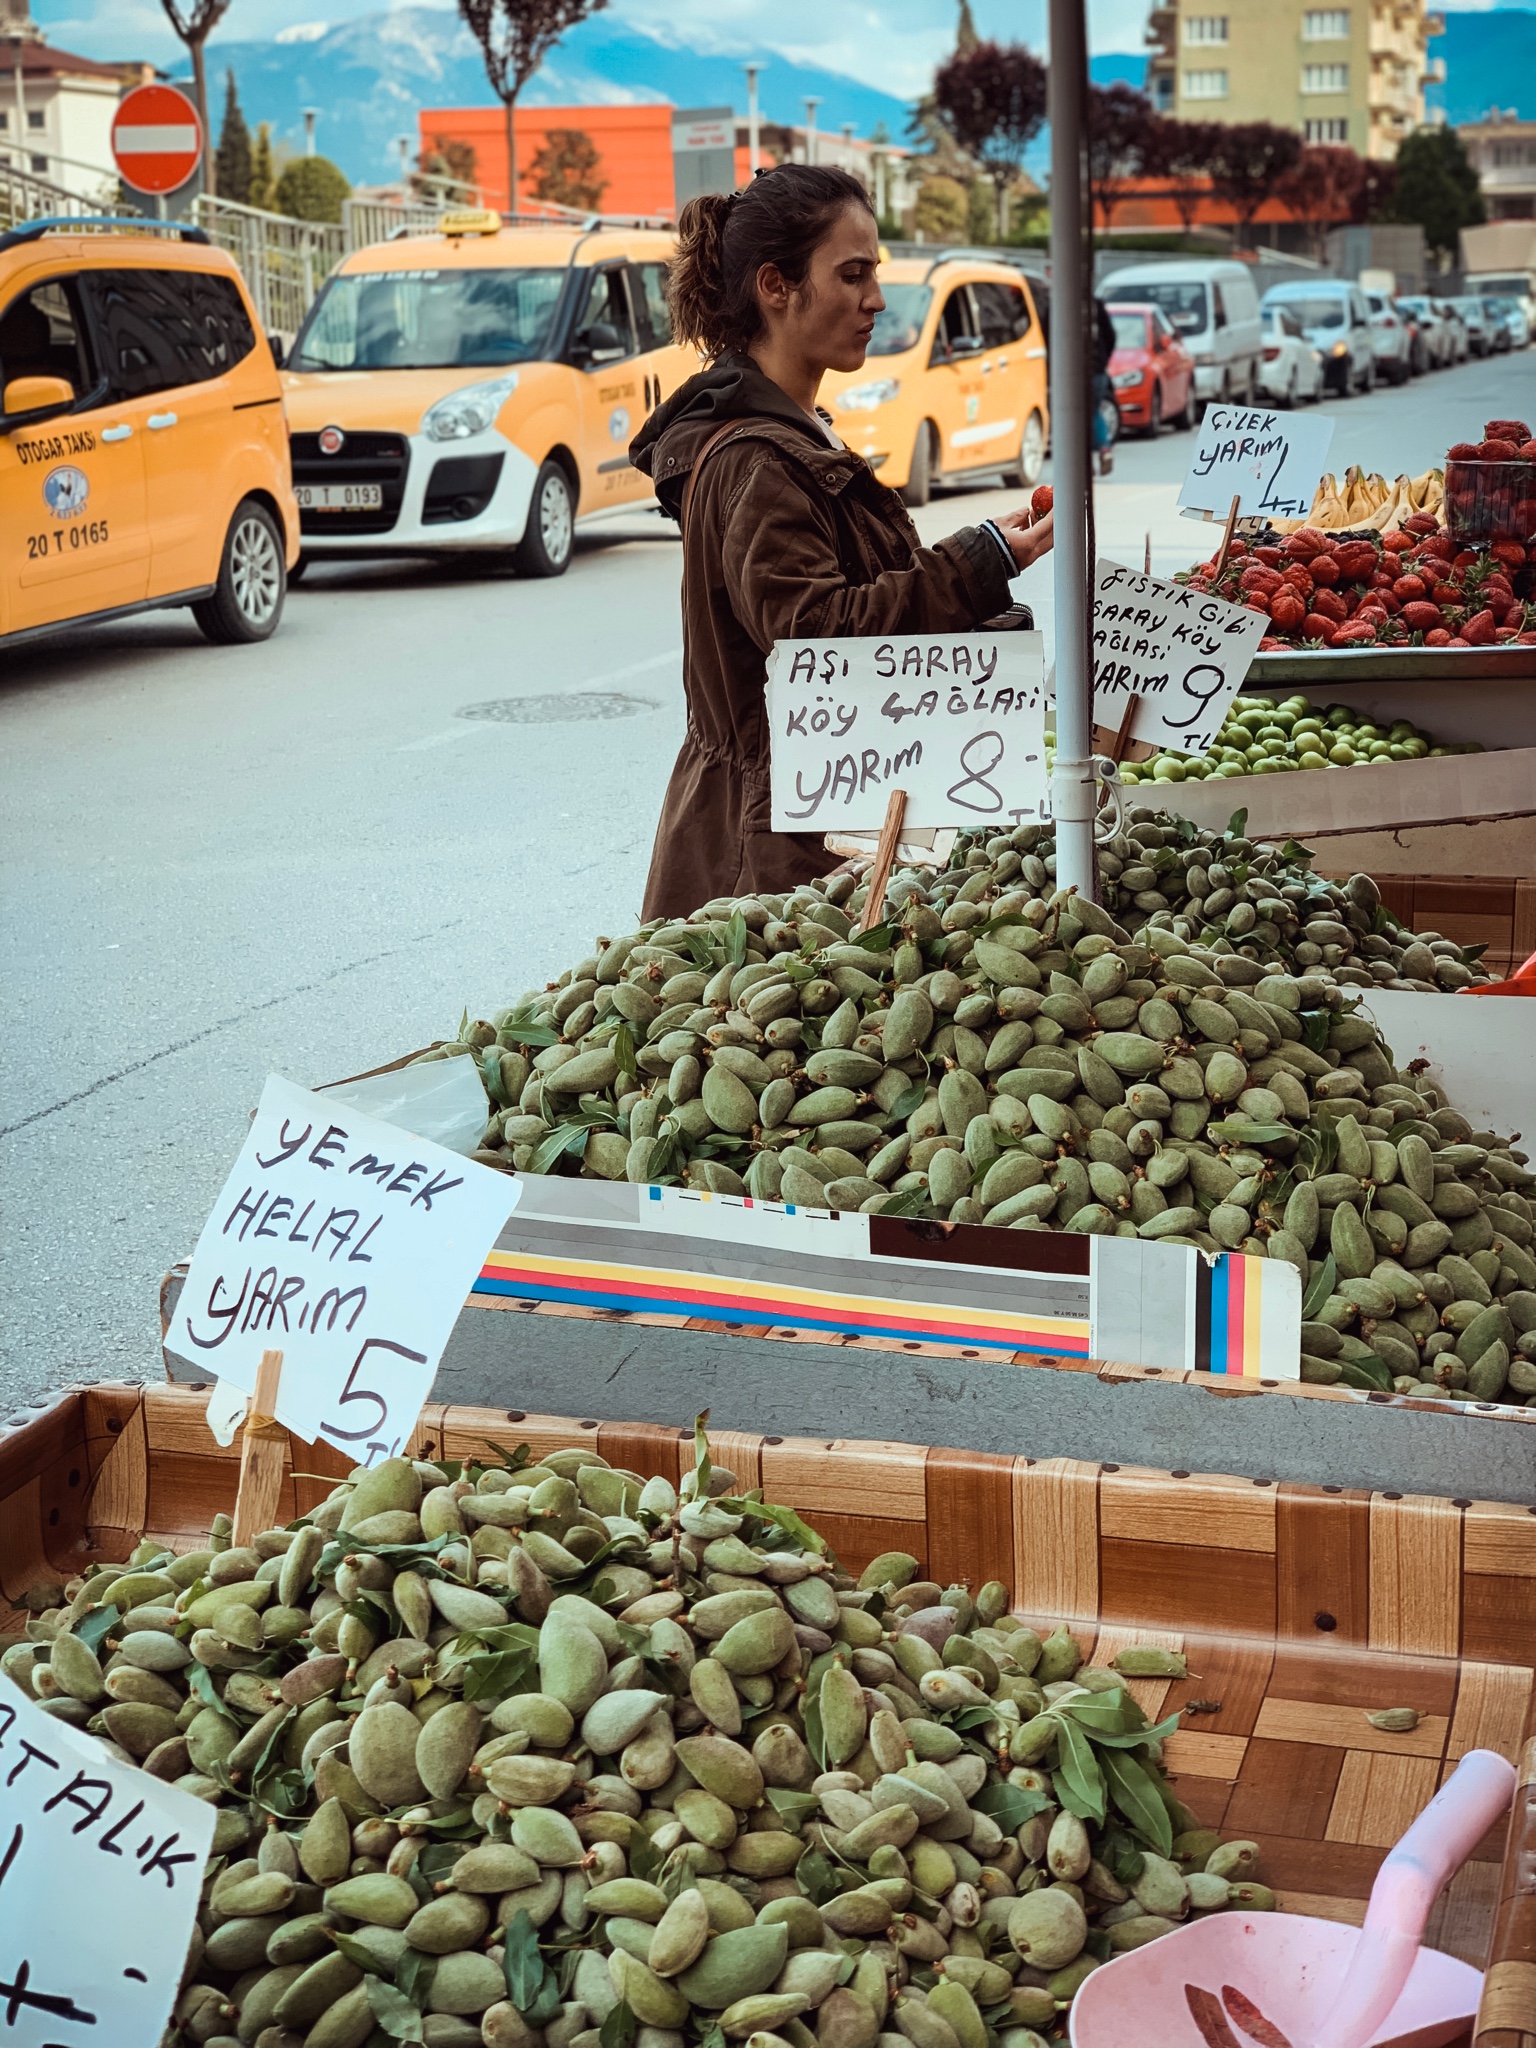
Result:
pixel 284 261
pixel 25 196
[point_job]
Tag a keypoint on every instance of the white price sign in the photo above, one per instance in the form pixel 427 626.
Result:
pixel 1181 653
pixel 1271 462
pixel 100 1870
pixel 957 720
pixel 349 1246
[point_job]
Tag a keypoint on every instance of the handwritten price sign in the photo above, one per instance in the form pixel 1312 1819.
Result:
pixel 1269 461
pixel 1181 653
pixel 100 1869
pixel 957 720
pixel 349 1246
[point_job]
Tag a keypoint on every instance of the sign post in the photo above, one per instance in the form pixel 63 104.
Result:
pixel 342 1248
pixel 157 139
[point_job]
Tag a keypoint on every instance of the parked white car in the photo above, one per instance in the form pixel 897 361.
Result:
pixel 1391 339
pixel 1336 320
pixel 1214 310
pixel 1435 343
pixel 1482 332
pixel 1291 370
pixel 1461 341
pixel 1512 317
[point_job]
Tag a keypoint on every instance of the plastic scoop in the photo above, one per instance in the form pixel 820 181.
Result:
pixel 1286 1980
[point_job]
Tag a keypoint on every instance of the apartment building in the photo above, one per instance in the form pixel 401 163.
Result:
pixel 1352 74
pixel 1503 152
pixel 56 110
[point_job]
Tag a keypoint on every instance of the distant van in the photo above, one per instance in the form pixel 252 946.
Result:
pixel 1214 310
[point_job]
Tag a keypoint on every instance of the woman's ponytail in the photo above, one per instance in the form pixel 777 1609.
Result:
pixel 726 238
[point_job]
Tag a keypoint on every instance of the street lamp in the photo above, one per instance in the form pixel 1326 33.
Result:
pixel 311 115
pixel 403 144
pixel 754 152
pixel 811 104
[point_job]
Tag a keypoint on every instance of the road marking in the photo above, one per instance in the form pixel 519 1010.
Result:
pixel 467 728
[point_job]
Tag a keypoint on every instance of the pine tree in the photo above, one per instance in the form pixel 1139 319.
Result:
pixel 233 159
pixel 263 185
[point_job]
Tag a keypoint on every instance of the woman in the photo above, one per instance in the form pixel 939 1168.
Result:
pixel 787 534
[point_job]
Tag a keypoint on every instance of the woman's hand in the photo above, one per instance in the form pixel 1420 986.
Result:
pixel 1027 536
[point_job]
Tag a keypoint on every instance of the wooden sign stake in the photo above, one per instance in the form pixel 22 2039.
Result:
pixel 1226 538
pixel 885 856
pixel 1122 738
pixel 1147 561
pixel 262 1455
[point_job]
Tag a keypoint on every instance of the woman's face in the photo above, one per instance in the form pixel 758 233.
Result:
pixel 829 317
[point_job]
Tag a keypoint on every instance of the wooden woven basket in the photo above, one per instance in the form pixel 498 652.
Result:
pixel 1301 1608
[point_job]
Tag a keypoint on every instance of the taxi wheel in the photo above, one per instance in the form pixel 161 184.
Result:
pixel 248 599
pixel 1025 473
pixel 918 487
pixel 545 548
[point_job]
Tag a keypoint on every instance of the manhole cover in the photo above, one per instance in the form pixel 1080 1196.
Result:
pixel 579 706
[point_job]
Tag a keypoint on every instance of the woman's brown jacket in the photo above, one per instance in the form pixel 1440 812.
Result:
pixel 787 537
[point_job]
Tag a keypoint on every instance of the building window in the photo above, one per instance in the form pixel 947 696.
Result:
pixel 1325 78
pixel 1324 25
pixel 40 166
pixel 1205 28
pixel 1205 85
pixel 1327 131
pixel 35 119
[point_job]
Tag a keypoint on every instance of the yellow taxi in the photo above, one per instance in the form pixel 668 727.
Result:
pixel 477 388
pixel 143 449
pixel 954 382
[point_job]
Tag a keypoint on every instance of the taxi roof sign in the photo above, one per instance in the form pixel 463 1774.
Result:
pixel 471 220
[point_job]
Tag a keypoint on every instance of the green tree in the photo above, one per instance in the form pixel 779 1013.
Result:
pixel 565 171
pixel 981 212
pixel 262 190
pixel 232 161
pixel 1437 187
pixel 942 212
pixel 311 188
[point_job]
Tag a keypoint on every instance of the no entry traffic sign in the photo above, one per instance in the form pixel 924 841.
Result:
pixel 157 139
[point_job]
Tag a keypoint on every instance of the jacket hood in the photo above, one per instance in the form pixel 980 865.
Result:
pixel 731 388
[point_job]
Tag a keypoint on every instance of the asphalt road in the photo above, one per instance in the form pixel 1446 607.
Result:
pixel 308 857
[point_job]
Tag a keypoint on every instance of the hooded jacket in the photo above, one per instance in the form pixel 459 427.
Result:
pixel 787 537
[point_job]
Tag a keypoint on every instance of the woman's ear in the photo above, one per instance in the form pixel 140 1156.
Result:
pixel 773 289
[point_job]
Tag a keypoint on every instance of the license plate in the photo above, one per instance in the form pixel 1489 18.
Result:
pixel 339 497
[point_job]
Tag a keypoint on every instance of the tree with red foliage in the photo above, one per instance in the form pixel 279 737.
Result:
pixel 515 36
pixel 1123 137
pixel 991 98
pixel 1321 189
pixel 1250 160
pixel 1181 151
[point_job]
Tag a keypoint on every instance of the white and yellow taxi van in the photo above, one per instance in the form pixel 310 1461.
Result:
pixel 143 450
pixel 477 388
pixel 954 382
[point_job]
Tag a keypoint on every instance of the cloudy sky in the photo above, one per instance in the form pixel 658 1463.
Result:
pixel 893 45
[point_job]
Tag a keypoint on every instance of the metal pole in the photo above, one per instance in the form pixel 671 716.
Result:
pixel 754 130
pixel 811 105
pixel 1072 793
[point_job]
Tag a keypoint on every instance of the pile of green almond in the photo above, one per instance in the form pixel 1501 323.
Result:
pixel 998 1052
pixel 551 1755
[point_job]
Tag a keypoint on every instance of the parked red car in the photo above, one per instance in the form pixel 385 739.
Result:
pixel 1151 370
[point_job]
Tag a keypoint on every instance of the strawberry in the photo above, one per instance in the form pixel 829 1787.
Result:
pixel 1465 451
pixel 1506 633
pixel 1467 559
pixel 1437 636
pixel 1480 629
pixel 1509 552
pixel 1528 452
pixel 1406 588
pixel 1298 579
pixel 1499 451
pixel 1397 541
pixel 1272 558
pixel 1421 523
pixel 1304 543
pixel 1506 430
pixel 1315 627
pixel 1257 577
pixel 1042 500
pixel 1447 593
pixel 1324 570
pixel 1288 610
pixel 1421 617
pixel 1357 633
pixel 1270 645
pixel 1330 605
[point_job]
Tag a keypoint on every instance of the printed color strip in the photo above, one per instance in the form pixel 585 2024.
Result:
pixel 654 1290
pixel 1238 1311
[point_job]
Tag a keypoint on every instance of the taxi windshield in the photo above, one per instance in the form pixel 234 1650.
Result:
pixel 900 326
pixel 430 320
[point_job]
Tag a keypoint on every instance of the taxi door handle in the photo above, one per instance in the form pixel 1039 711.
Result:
pixel 1002 362
pixel 157 420
pixel 117 433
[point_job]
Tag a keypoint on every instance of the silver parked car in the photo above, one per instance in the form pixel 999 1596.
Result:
pixel 1461 340
pixel 1513 321
pixel 1390 339
pixel 1432 344
pixel 1482 333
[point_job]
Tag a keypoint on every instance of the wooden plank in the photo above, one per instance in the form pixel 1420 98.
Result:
pixel 970 1518
pixel 1492 1703
pixel 1205 1756
pixel 645 1448
pixel 1348 1677
pixel 465 1431
pixel 856 1539
pixel 1322 1549
pixel 1499 1538
pixel 1348 1912
pixel 1379 1797
pixel 23 1560
pixel 1208 1590
pixel 1462 1915
pixel 843 1477
pixel 1234 1671
pixel 1509 2000
pixel 1523 933
pixel 119 1495
pixel 1056 1538
pixel 1340 1870
pixel 1415 1574
pixel 1207 1510
pixel 1498 1622
pixel 1283 1720
pixel 1284 1788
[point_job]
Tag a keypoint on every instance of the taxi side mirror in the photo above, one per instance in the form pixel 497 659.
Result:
pixel 30 395
pixel 599 343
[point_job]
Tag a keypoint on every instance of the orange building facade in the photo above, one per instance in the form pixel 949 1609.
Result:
pixel 634 144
